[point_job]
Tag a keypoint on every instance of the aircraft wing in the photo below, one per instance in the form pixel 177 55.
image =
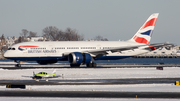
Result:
pixel 118 49
pixel 44 77
pixel 151 47
pixel 101 52
pixel 54 76
pixel 27 76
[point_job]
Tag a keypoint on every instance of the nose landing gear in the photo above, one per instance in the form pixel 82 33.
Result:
pixel 18 63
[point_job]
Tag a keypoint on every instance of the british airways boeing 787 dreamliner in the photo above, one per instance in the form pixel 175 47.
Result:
pixel 84 52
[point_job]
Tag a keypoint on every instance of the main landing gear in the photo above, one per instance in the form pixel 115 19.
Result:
pixel 88 65
pixel 91 64
pixel 75 65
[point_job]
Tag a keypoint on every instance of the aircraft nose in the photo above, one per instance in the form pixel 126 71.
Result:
pixel 5 55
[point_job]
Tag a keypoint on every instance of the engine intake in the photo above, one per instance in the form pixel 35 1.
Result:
pixel 79 58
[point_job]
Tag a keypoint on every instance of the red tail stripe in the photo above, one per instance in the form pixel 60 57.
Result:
pixel 151 22
pixel 141 40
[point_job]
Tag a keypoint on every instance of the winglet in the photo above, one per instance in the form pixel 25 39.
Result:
pixel 143 35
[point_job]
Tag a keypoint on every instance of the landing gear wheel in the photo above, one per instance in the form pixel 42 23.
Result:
pixel 91 65
pixel 18 65
pixel 94 64
pixel 75 65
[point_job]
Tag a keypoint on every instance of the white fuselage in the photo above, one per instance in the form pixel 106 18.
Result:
pixel 57 49
pixel 84 52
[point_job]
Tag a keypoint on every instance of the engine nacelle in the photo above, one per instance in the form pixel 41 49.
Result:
pixel 45 62
pixel 79 58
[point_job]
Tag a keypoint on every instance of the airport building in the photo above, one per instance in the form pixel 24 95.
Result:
pixel 163 52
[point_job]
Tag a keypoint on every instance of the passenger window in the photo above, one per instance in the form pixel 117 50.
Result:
pixel 13 48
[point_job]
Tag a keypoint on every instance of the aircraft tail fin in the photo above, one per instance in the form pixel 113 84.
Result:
pixel 54 71
pixel 144 34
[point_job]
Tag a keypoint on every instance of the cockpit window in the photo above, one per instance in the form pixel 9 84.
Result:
pixel 11 48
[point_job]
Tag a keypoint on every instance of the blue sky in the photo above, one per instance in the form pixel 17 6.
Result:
pixel 112 19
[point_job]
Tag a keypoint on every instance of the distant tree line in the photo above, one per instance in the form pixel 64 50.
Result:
pixel 100 38
pixel 54 34
pixel 25 34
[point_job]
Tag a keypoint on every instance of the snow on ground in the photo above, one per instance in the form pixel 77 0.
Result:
pixel 99 73
pixel 95 73
pixel 80 99
pixel 121 88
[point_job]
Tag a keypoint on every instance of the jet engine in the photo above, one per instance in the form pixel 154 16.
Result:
pixel 79 58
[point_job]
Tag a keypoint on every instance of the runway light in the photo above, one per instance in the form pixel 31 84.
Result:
pixel 177 82
pixel 159 68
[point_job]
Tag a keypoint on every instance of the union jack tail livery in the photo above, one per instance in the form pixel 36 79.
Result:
pixel 144 34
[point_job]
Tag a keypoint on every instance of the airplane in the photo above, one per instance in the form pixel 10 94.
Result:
pixel 44 75
pixel 85 52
